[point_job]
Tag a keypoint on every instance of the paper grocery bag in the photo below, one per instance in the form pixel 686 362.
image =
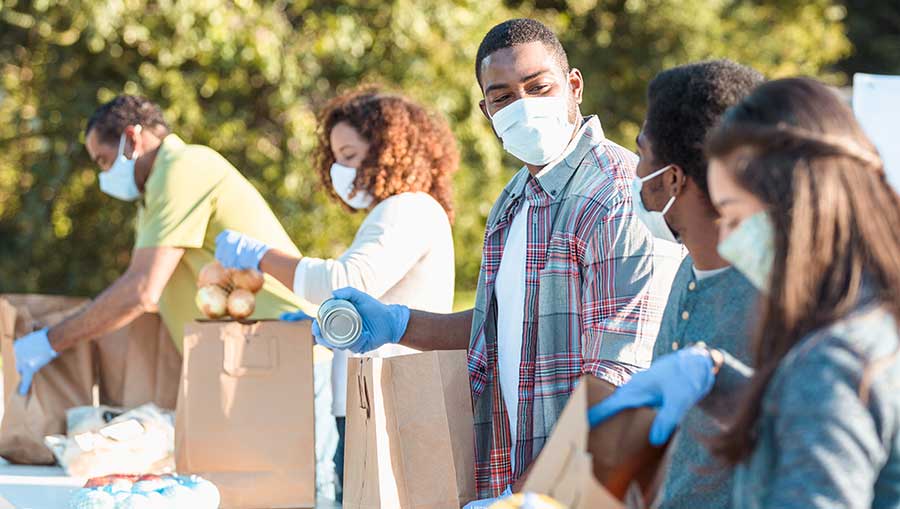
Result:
pixel 409 432
pixel 139 364
pixel 133 365
pixel 597 468
pixel 64 383
pixel 245 412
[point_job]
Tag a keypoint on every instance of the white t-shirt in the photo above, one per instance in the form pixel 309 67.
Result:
pixel 510 291
pixel 704 274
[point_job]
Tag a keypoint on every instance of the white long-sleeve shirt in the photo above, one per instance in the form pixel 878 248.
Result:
pixel 402 254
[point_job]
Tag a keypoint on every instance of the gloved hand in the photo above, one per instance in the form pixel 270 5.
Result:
pixel 485 503
pixel 295 316
pixel 381 323
pixel 674 384
pixel 235 250
pixel 33 352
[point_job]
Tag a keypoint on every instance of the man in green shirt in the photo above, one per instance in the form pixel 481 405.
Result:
pixel 186 195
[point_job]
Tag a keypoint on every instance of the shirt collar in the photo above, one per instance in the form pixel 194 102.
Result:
pixel 171 145
pixel 169 148
pixel 554 177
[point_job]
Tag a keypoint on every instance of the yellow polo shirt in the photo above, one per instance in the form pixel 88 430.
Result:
pixel 192 194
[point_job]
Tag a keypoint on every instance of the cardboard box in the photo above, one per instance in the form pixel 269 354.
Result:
pixel 596 468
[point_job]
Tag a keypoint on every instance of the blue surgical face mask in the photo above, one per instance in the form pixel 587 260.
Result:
pixel 536 130
pixel 118 181
pixel 750 248
pixel 654 220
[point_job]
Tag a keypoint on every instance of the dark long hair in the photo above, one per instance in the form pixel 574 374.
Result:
pixel 797 147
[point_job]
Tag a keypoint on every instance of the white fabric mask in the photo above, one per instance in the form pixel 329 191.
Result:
pixel 654 220
pixel 342 178
pixel 118 180
pixel 536 130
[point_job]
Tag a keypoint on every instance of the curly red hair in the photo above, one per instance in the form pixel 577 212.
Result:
pixel 411 149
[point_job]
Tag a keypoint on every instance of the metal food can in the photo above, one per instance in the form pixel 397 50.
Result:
pixel 339 322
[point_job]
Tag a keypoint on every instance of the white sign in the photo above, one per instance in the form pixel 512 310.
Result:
pixel 876 103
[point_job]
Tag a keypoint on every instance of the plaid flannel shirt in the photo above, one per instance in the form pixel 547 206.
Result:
pixel 589 307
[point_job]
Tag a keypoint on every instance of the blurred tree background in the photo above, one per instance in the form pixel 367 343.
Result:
pixel 247 79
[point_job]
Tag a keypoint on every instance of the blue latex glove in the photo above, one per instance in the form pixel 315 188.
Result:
pixel 485 503
pixel 381 323
pixel 294 316
pixel 33 352
pixel 673 384
pixel 235 250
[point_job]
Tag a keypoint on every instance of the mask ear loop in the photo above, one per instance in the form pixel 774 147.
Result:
pixel 137 129
pixel 653 176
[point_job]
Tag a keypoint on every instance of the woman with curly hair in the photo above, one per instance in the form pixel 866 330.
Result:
pixel 386 155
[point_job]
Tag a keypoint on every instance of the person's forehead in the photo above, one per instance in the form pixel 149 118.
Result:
pixel 96 147
pixel 517 62
pixel 346 133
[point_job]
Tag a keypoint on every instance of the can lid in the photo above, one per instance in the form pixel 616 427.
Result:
pixel 341 327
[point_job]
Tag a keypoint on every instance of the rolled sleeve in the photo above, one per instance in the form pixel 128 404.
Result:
pixel 617 274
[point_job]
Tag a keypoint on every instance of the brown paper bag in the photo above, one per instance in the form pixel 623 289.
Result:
pixel 134 365
pixel 410 432
pixel 66 382
pixel 245 412
pixel 596 468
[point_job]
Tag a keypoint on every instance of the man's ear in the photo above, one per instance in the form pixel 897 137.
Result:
pixel 483 105
pixel 576 83
pixel 133 137
pixel 676 180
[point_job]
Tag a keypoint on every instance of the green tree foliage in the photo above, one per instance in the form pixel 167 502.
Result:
pixel 873 27
pixel 247 78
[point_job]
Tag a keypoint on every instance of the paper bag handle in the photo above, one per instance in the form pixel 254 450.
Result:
pixel 363 386
pixel 249 354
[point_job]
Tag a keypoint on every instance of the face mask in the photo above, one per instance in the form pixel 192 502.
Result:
pixel 342 178
pixel 750 248
pixel 536 130
pixel 655 221
pixel 118 180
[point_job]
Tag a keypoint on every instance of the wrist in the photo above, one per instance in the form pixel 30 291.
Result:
pixel 51 334
pixel 715 356
pixel 260 254
pixel 400 314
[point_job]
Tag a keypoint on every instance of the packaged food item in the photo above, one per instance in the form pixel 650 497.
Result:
pixel 120 491
pixel 527 501
pixel 103 440
pixel 339 322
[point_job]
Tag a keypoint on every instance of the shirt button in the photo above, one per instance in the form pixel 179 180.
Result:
pixel 685 315
pixel 692 286
pixel 674 345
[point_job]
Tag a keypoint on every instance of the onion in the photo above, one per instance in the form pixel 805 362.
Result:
pixel 241 304
pixel 213 273
pixel 247 279
pixel 211 300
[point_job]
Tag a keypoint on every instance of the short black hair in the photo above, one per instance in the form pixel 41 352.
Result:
pixel 520 31
pixel 685 102
pixel 111 119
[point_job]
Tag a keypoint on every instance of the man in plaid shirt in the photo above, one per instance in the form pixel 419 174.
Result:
pixel 569 282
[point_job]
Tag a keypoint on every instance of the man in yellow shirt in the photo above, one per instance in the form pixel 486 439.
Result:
pixel 186 195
